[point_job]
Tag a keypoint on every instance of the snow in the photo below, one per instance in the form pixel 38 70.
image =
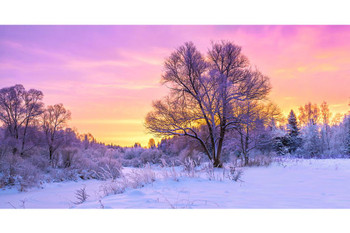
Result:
pixel 291 184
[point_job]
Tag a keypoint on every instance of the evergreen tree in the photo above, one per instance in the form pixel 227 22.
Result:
pixel 312 145
pixel 293 139
pixel 292 126
pixel 280 145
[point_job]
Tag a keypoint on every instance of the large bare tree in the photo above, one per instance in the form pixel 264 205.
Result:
pixel 18 110
pixel 203 91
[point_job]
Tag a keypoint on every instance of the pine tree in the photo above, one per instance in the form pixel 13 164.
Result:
pixel 292 126
pixel 293 132
pixel 280 145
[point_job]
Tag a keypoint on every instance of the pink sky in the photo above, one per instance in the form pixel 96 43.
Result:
pixel 109 75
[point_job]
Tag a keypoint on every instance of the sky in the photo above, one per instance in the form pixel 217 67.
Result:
pixel 108 76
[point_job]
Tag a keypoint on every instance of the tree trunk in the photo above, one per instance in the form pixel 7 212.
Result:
pixel 51 157
pixel 24 138
pixel 221 140
pixel 246 146
pixel 246 160
pixel 217 163
pixel 14 150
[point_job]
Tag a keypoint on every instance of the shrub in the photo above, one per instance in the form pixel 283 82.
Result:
pixel 59 175
pixel 234 174
pixel 135 179
pixel 138 178
pixel 41 162
pixel 209 170
pixel 16 171
pixel 171 173
pixel 260 160
pixel 108 168
pixel 81 195
pixel 151 156
pixel 67 155
pixel 113 188
pixel 131 153
pixel 92 165
pixel 193 155
pixel 189 166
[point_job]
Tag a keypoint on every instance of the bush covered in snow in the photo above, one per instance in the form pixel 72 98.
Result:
pixel 16 171
pixel 72 164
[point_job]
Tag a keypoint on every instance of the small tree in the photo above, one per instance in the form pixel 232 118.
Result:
pixel 312 140
pixel 151 143
pixel 254 120
pixel 53 121
pixel 280 145
pixel 137 145
pixel 87 139
pixel 309 114
pixel 325 130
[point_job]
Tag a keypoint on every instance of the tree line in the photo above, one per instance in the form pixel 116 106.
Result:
pixel 28 125
pixel 219 101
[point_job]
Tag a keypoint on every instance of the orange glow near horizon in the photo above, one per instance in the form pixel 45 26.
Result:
pixel 108 76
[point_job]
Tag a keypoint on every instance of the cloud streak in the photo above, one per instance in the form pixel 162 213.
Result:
pixel 107 75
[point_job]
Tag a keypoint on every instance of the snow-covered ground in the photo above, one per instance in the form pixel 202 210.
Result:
pixel 291 184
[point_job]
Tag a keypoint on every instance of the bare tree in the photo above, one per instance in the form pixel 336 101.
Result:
pixel 254 117
pixel 309 114
pixel 151 143
pixel 87 139
pixel 326 116
pixel 33 109
pixel 18 110
pixel 203 91
pixel 53 120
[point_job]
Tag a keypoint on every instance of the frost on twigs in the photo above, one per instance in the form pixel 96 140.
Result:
pixel 235 174
pixel 189 165
pixel 135 179
pixel 81 195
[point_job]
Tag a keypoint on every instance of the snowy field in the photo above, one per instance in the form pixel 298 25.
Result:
pixel 290 184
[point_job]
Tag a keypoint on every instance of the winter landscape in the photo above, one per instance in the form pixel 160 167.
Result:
pixel 199 124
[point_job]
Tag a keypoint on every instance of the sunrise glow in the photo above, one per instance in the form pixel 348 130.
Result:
pixel 108 76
